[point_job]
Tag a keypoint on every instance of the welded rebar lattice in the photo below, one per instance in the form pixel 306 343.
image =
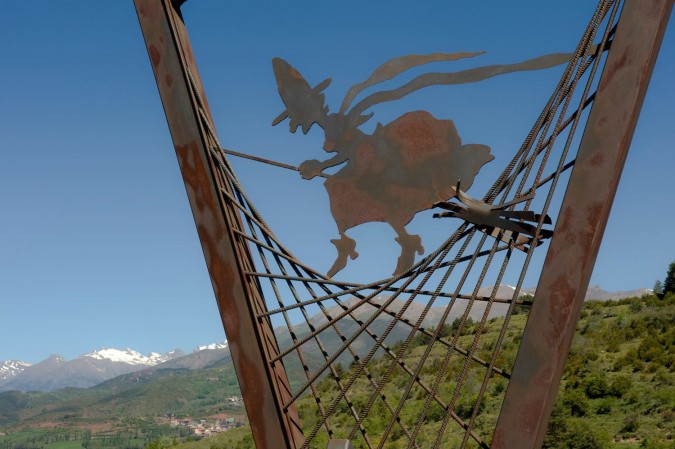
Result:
pixel 374 330
pixel 408 361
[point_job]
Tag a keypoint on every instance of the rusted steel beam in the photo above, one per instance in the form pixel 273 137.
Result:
pixel 583 215
pixel 251 340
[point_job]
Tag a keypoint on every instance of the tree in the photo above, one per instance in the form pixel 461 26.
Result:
pixel 596 385
pixel 658 288
pixel 581 436
pixel 86 438
pixel 669 283
pixel 576 402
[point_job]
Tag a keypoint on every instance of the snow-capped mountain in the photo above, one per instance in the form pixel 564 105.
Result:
pixel 85 371
pixel 221 345
pixel 11 368
pixel 131 357
pixel 200 357
pixel 98 366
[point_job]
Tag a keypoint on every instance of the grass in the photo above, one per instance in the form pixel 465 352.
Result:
pixel 75 444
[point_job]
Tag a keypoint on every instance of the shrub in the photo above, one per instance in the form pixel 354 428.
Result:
pixel 604 408
pixel 630 424
pixel 557 428
pixel 631 358
pixel 620 386
pixel 649 444
pixel 619 364
pixel 649 349
pixel 635 329
pixel 424 339
pixel 465 405
pixel 581 436
pixel 596 385
pixel 564 434
pixel 612 338
pixel 635 306
pixel 575 401
pixel 499 387
pixel 662 377
pixel 466 330
pixel 592 356
pixel 436 414
pixel 519 309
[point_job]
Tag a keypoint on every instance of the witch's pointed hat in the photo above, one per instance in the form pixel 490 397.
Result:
pixel 304 104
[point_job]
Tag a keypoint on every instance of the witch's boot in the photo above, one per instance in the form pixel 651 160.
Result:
pixel 410 244
pixel 346 248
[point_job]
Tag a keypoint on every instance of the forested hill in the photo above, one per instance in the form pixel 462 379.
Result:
pixel 618 389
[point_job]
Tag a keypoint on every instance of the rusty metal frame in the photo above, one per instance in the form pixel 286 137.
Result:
pixel 251 341
pixel 584 212
pixel 565 276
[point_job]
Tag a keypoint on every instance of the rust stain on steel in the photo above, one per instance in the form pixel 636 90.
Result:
pixel 154 55
pixel 569 263
pixel 264 388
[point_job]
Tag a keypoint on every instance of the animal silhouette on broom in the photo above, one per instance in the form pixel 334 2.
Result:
pixel 409 165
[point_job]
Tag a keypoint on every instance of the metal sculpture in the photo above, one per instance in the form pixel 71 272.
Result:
pixel 487 237
pixel 497 221
pixel 403 167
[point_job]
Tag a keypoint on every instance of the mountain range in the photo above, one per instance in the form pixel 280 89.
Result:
pixel 95 367
pixel 11 368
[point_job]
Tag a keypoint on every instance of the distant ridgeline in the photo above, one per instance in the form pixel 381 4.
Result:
pixel 95 367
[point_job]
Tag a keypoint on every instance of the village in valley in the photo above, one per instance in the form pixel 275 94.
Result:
pixel 212 425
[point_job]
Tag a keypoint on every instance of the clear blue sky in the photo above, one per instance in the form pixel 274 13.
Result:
pixel 97 243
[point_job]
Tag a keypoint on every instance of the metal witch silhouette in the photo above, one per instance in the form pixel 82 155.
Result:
pixel 404 167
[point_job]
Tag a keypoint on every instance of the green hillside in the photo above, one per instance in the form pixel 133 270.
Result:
pixel 618 391
pixel 146 393
pixel 124 412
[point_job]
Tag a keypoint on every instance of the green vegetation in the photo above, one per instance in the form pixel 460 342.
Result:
pixel 75 444
pixel 626 396
pixel 618 391
pixel 239 438
pixel 123 413
pixel 669 283
pixel 125 399
pixel 658 288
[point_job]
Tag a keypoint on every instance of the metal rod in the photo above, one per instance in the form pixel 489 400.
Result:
pixel 266 161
